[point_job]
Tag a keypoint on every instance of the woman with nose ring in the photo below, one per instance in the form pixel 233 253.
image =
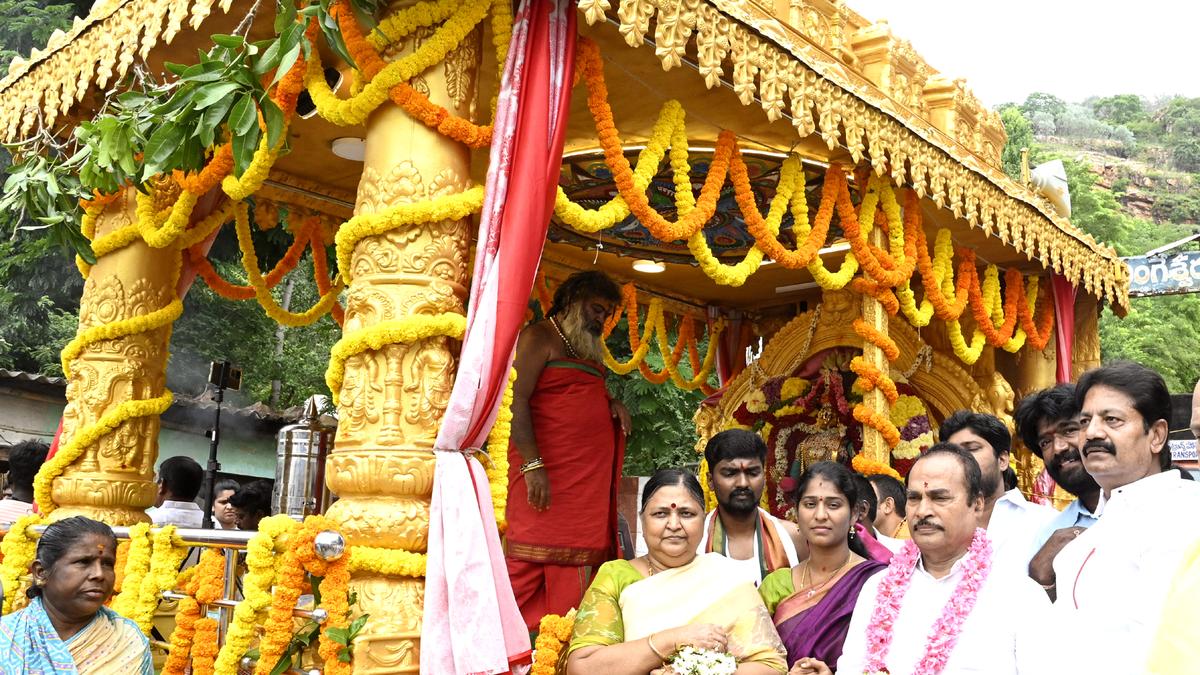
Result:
pixel 811 603
pixel 638 613
pixel 66 629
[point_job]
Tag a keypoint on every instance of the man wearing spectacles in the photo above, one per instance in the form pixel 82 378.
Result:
pixel 1048 424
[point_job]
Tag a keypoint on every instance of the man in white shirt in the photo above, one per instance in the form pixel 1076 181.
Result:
pixel 1048 424
pixel 1112 579
pixel 738 528
pixel 999 636
pixel 179 480
pixel 1013 523
pixel 24 460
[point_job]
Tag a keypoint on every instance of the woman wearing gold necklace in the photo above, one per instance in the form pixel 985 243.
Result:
pixel 811 603
pixel 638 613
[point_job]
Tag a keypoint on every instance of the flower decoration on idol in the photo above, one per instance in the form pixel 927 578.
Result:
pixel 916 433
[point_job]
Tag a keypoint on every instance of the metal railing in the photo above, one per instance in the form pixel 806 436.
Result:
pixel 328 545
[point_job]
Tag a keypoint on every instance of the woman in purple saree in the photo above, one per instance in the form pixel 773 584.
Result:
pixel 811 603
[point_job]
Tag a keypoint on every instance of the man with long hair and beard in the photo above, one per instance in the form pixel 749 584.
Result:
pixel 565 456
pixel 1048 424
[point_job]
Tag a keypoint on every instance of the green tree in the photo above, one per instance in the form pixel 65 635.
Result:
pixel 1121 109
pixel 1095 210
pixel 26 25
pixel 1020 135
pixel 1043 102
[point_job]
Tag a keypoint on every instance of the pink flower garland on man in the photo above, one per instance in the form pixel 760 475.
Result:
pixel 942 606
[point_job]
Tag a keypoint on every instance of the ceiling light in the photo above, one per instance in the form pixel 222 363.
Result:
pixel 835 248
pixel 351 148
pixel 649 266
pixel 796 287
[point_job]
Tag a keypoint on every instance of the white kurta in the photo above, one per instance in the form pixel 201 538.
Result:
pixel 749 567
pixel 1113 578
pixel 1015 528
pixel 179 514
pixel 1002 636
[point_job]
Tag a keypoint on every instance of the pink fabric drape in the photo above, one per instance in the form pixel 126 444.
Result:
pixel 1064 324
pixel 471 621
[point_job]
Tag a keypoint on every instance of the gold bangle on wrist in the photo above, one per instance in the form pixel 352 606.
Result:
pixel 650 644
pixel 533 465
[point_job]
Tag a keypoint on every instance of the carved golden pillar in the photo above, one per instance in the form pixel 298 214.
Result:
pixel 113 480
pixel 1085 353
pixel 874 315
pixel 392 399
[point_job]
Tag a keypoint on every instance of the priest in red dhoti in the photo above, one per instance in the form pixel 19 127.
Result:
pixel 568 442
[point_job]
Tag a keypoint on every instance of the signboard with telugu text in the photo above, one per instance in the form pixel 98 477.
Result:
pixel 1183 451
pixel 1164 274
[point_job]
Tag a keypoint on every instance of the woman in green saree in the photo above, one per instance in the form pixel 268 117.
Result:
pixel 637 613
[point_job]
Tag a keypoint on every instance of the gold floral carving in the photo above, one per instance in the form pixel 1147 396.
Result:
pixel 393 398
pixel 113 479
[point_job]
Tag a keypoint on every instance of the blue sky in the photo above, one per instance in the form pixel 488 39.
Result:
pixel 1071 48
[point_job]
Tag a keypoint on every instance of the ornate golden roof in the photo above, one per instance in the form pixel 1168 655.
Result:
pixel 815 62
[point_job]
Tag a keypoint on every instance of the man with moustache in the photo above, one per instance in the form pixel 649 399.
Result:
pixel 565 456
pixel 738 529
pixel 1048 424
pixel 1013 523
pixel 1113 579
pixel 948 568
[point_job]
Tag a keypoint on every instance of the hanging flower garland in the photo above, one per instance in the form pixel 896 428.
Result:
pixel 497 452
pixel 19 550
pixel 137 568
pixel 869 467
pixel 334 589
pixel 554 632
pixel 206 586
pixel 263 293
pixel 167 555
pixel 256 591
pixel 290 582
pixel 204 648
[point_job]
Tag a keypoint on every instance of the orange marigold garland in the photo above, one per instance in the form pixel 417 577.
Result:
pixel 277 631
pixel 204 647
pixel 206 586
pixel 869 467
pixel 553 632
pixel 884 342
pixel 875 379
pixel 878 422
pixel 334 588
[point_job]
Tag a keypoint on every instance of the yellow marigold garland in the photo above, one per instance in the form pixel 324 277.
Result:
pixel 408 329
pixel 447 207
pixel 290 582
pixel 119 329
pixel 82 439
pixel 553 633
pixel 387 562
pixel 19 550
pixel 137 568
pixel 263 294
pixel 167 554
pixel 355 110
pixel 497 448
pixel 256 591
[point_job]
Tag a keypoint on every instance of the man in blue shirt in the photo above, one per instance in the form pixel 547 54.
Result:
pixel 1048 424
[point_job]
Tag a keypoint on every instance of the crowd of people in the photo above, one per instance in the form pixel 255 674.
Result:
pixel 948 572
